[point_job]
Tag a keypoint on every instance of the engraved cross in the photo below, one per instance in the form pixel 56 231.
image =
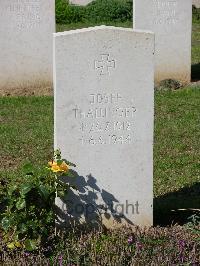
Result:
pixel 105 64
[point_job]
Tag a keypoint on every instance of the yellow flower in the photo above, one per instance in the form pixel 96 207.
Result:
pixel 14 245
pixel 18 245
pixel 11 245
pixel 56 168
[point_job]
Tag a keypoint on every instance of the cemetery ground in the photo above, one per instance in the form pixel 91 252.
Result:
pixel 27 136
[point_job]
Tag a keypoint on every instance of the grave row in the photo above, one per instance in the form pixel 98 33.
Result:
pixel 26 39
pixel 195 3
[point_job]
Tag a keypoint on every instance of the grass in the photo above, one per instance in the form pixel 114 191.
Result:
pixel 196 43
pixel 27 134
pixel 176 155
pixel 155 246
pixel 196 51
pixel 177 139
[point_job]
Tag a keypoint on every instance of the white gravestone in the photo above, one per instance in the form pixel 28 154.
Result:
pixel 104 106
pixel 80 2
pixel 26 45
pixel 171 21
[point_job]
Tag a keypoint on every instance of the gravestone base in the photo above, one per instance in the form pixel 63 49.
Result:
pixel 37 89
pixel 104 109
pixel 80 2
pixel 182 75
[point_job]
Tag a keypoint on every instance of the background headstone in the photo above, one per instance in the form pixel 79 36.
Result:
pixel 104 94
pixel 26 42
pixel 171 21
pixel 80 2
pixel 196 3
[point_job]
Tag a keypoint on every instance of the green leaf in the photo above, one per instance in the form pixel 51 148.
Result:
pixel 61 194
pixel 44 192
pixel 59 162
pixel 6 223
pixel 25 188
pixel 30 244
pixel 28 169
pixel 69 163
pixel 70 174
pixel 44 230
pixel 21 204
pixel 22 228
pixel 33 224
pixel 57 154
pixel 12 189
pixel 62 185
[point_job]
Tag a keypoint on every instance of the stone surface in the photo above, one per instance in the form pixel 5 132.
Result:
pixel 196 3
pixel 104 94
pixel 171 20
pixel 26 46
pixel 80 2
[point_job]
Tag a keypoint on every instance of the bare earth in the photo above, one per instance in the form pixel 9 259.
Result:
pixel 29 91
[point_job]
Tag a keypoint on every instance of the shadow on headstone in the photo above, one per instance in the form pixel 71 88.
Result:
pixel 80 205
pixel 176 207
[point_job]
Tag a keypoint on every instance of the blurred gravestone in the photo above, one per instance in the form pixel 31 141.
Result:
pixel 80 2
pixel 104 94
pixel 26 42
pixel 171 21
pixel 196 3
